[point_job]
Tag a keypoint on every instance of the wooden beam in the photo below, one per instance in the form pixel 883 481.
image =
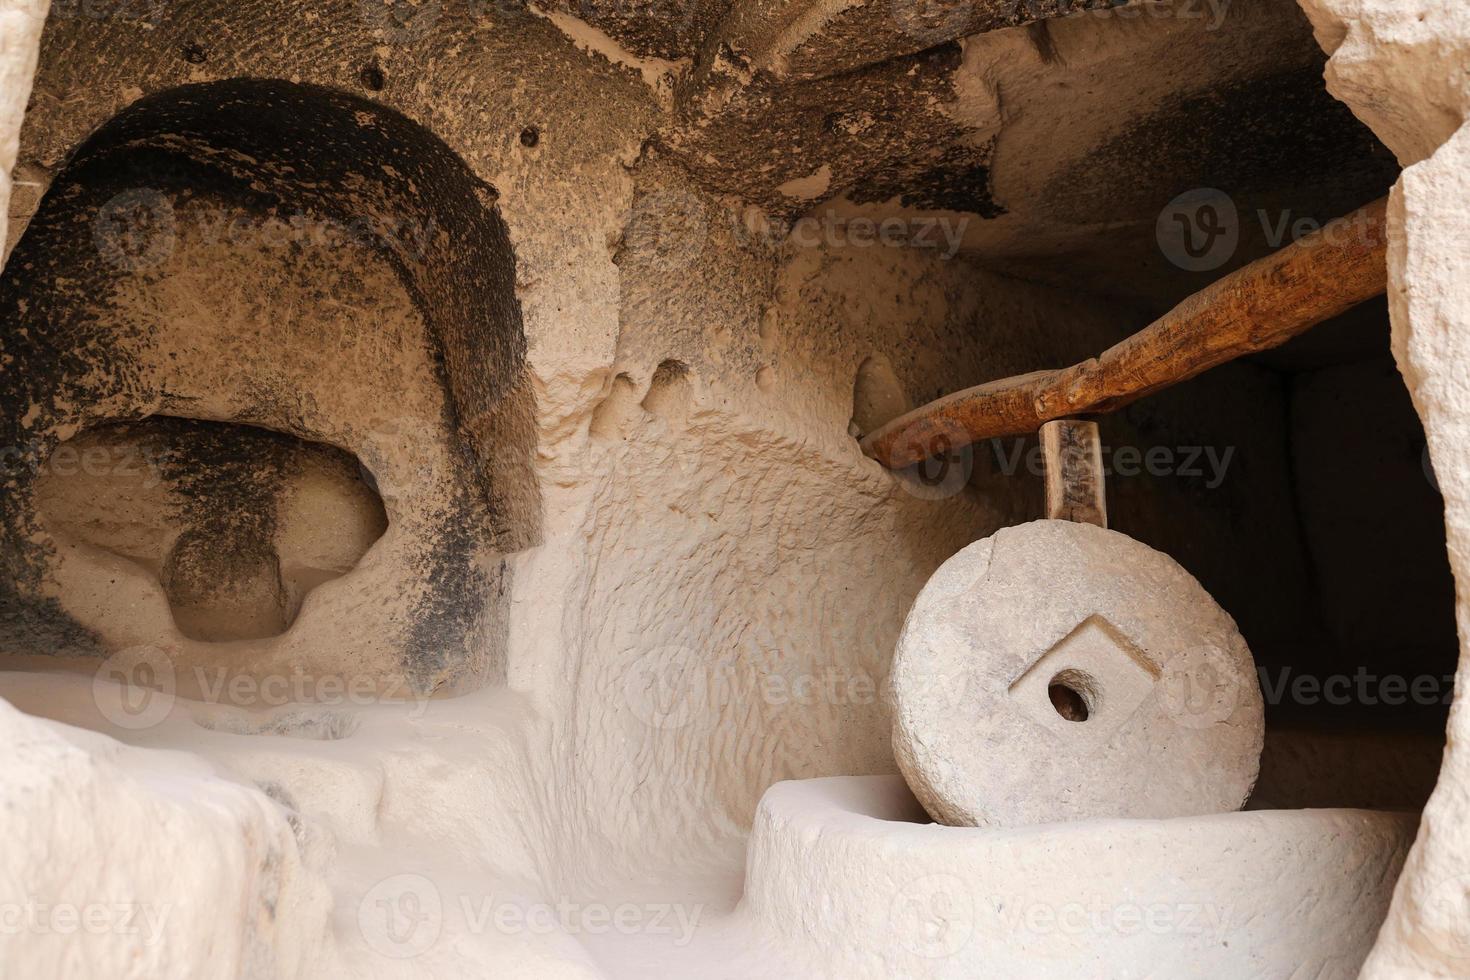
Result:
pixel 1076 488
pixel 1257 307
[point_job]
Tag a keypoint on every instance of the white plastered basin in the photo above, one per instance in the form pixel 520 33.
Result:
pixel 843 872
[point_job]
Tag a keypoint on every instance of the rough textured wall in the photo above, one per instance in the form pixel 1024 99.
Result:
pixel 745 570
pixel 275 255
pixel 1402 67
pixel 192 874
pixel 21 22
pixel 721 574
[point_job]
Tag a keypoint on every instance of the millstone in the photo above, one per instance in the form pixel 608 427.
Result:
pixel 1061 671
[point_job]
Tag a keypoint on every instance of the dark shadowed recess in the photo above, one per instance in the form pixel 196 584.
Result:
pixel 285 148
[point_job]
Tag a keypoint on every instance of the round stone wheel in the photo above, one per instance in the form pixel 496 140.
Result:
pixel 1061 671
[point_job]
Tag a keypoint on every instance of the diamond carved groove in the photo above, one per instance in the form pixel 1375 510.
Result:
pixel 1098 661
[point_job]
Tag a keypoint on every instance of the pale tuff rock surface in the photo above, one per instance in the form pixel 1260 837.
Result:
pixel 708 529
pixel 703 579
pixel 372 871
pixel 1402 68
pixel 20 38
pixel 239 293
pixel 841 874
pixel 126 862
pixel 1061 671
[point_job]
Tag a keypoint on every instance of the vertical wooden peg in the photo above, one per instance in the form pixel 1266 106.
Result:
pixel 1076 489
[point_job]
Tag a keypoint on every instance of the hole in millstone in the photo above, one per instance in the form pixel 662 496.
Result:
pixel 373 79
pixel 1070 694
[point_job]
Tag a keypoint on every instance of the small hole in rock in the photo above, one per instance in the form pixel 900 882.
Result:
pixel 1068 701
pixel 195 54
pixel 877 396
pixel 670 391
pixel 530 136
pixel 373 78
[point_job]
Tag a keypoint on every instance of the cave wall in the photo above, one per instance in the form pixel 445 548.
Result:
pixel 708 520
pixel 274 255
pixel 717 574
pixel 1401 68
